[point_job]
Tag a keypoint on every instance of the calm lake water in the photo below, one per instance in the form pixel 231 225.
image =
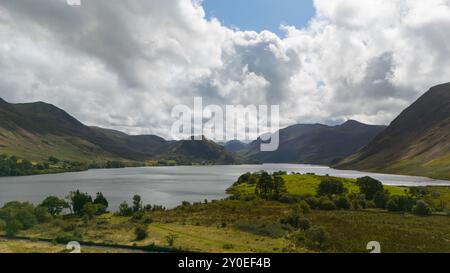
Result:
pixel 167 186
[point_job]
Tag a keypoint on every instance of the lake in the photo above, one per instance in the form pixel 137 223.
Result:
pixel 167 186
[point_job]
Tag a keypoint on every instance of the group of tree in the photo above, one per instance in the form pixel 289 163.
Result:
pixel 267 186
pixel 17 216
pixel 13 166
pixel 332 194
pixel 137 209
pixel 270 187
pixel 82 204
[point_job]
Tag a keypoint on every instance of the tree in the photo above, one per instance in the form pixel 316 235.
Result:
pixel 42 215
pixel 54 205
pixel 78 200
pixel 124 209
pixel 171 239
pixel 89 210
pixel 27 218
pixel 369 186
pixel 422 208
pixel 100 199
pixel 270 187
pixel 13 227
pixel 279 187
pixel 331 186
pixel 264 186
pixel 137 203
pixel 2 225
pixel 296 219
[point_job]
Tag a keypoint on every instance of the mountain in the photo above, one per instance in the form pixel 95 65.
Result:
pixel 417 142
pixel 38 130
pixel 206 149
pixel 316 143
pixel 235 146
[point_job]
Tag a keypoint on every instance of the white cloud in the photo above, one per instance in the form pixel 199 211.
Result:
pixel 125 64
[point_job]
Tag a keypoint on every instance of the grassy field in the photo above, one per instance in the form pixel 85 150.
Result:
pixel 231 226
pixel 438 168
pixel 38 148
pixel 22 246
pixel 301 184
pixel 216 228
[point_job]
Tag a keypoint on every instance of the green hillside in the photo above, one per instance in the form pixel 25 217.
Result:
pixel 36 131
pixel 416 143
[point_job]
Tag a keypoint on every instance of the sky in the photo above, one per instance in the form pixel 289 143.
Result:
pixel 259 15
pixel 125 64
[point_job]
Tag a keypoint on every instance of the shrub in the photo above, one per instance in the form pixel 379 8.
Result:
pixel 421 208
pixel 304 223
pixel 304 206
pixel 359 202
pixel 171 239
pixel 406 203
pixel 67 227
pixel 53 160
pixel 287 199
pixel 147 220
pixel 392 205
pixel 331 186
pixel 42 215
pixel 185 204
pixel 313 202
pixel 400 203
pixel 65 238
pixel 124 209
pixel 2 225
pixel 297 220
pixel 419 192
pixel 326 204
pixel 369 186
pixel 57 223
pixel 137 216
pixel 228 246
pixel 262 229
pixel 298 238
pixel 343 202
pixel 27 218
pixel 317 237
pixel 141 233
pixel 380 199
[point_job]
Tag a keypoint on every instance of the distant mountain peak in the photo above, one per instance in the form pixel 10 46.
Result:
pixel 352 122
pixel 315 143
